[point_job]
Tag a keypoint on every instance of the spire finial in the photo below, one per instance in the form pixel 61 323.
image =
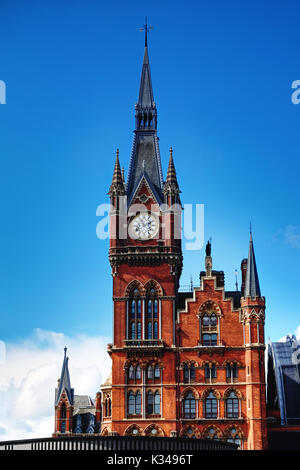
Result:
pixel 147 30
pixel 236 281
pixel 65 350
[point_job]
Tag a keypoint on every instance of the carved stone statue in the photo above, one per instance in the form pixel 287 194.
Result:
pixel 208 248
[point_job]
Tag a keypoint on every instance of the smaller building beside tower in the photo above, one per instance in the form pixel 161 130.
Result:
pixel 74 414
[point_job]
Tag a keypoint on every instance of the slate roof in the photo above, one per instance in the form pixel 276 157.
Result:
pixel 252 288
pixel 145 155
pixel 285 364
pixel 64 382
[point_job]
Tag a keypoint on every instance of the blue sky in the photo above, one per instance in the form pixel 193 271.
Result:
pixel 222 75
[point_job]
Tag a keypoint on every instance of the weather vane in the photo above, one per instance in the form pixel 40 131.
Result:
pixel 147 30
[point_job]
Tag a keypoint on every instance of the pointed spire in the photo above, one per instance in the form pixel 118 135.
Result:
pixel 64 383
pixel 146 99
pixel 252 288
pixel 145 156
pixel 171 184
pixel 117 184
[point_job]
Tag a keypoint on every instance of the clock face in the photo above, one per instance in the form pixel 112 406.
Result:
pixel 143 227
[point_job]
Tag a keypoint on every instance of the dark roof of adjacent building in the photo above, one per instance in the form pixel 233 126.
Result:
pixel 283 389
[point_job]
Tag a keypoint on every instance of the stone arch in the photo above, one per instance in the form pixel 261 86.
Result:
pixel 149 431
pixel 207 434
pixel 189 363
pixel 195 434
pixel 152 284
pixel 105 431
pixel 211 389
pixel 209 307
pixel 135 284
pixel 231 363
pixel 234 390
pixel 130 430
pixel 187 390
pixel 229 431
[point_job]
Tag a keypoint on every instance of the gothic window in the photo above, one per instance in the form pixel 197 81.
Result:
pixel 153 403
pixel 138 373
pixel 135 315
pixel 150 403
pixel 131 373
pixel 192 372
pixel 63 427
pixel 231 372
pixel 107 406
pixel 209 315
pixel 63 411
pixel 156 372
pixel 232 406
pixel 189 373
pixel 157 403
pixel 134 403
pixel 189 406
pixel 152 315
pixel 211 433
pixel 209 339
pixel 150 372
pixel 211 406
pixel 186 374
pixel 234 437
pixel 210 372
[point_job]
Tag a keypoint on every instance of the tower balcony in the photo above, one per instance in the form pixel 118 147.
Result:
pixel 139 347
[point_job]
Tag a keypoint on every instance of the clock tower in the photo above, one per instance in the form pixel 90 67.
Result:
pixel 146 262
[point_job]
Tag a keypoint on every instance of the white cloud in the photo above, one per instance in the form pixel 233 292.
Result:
pixel 292 236
pixel 296 333
pixel 29 376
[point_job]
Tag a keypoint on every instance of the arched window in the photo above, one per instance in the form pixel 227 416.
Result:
pixel 232 406
pixel 189 406
pixel 138 372
pixel 152 310
pixel 210 372
pixel 131 403
pixel 211 433
pixel 157 372
pixel 231 372
pixel 192 372
pixel 150 403
pixel 150 372
pixel 234 437
pixel 211 406
pixel 63 411
pixel 135 315
pixel 134 403
pixel 189 373
pixel 131 372
pixel 209 323
pixel 138 403
pixel 157 403
pixel 186 374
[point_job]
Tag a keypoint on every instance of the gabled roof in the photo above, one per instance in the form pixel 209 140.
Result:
pixel 65 382
pixel 144 176
pixel 252 288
